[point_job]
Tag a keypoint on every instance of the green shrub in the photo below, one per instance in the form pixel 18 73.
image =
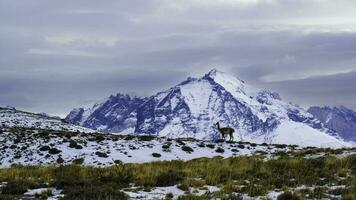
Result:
pixel 60 160
pixel 192 197
pixel 74 144
pixel 166 146
pixel 14 187
pixel 146 137
pixel 101 154
pixel 241 146
pixel 156 155
pixel 281 146
pixel 99 138
pixel 44 148
pixel 288 196
pixel 129 137
pixel 54 151
pixel 201 144
pixel 220 150
pixel 187 149
pixel 180 142
pixel 118 162
pixel 93 192
pixel 168 178
pixel 78 161
pixel 169 196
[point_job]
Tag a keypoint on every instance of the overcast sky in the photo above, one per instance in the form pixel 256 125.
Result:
pixel 56 55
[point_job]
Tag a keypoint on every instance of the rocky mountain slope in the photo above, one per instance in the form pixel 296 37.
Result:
pixel 339 119
pixel 10 117
pixel 190 109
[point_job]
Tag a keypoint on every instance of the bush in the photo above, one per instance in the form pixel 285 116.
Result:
pixel 78 161
pixel 17 187
pixel 169 196
pixel 180 142
pixel 166 146
pixel 60 160
pixel 192 197
pixel 54 151
pixel 74 144
pixel 44 148
pixel 219 150
pixel 280 146
pixel 201 144
pixel 118 162
pixel 99 138
pixel 115 138
pixel 235 150
pixel 183 187
pixel 187 149
pixel 168 178
pixel 146 137
pixel 129 137
pixel 90 192
pixel 156 155
pixel 101 154
pixel 288 196
pixel 241 146
pixel 211 146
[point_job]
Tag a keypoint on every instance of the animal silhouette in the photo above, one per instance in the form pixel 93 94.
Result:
pixel 225 131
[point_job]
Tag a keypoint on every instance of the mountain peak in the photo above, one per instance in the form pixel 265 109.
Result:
pixel 212 73
pixel 218 74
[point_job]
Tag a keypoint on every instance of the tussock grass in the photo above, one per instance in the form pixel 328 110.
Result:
pixel 250 175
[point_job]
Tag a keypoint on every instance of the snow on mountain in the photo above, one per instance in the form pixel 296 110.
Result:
pixel 339 119
pixel 115 114
pixel 190 109
pixel 10 117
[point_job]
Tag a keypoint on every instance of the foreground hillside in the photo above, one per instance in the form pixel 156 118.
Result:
pixel 246 177
pixel 40 146
pixel 54 164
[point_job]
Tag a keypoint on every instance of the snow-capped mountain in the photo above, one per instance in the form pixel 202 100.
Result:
pixel 10 117
pixel 340 119
pixel 190 109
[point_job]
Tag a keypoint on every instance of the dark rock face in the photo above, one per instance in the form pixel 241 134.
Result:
pixel 339 119
pixel 115 114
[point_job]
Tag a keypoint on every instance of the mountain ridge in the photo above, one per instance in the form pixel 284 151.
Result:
pixel 337 118
pixel 190 108
pixel 11 117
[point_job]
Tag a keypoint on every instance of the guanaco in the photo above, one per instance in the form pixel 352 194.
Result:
pixel 225 131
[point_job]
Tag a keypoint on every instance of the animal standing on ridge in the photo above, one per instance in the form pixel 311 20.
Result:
pixel 225 131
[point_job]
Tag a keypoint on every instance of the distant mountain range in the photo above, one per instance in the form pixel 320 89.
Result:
pixel 190 109
pixel 340 119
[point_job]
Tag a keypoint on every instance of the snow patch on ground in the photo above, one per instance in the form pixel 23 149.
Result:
pixel 161 192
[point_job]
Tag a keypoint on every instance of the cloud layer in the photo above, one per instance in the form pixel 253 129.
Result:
pixel 56 55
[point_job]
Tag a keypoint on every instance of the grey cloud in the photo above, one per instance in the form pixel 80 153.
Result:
pixel 66 53
pixel 335 89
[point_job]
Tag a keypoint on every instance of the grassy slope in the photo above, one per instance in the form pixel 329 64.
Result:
pixel 249 175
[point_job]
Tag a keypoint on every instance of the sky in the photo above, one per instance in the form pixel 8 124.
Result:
pixel 61 54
